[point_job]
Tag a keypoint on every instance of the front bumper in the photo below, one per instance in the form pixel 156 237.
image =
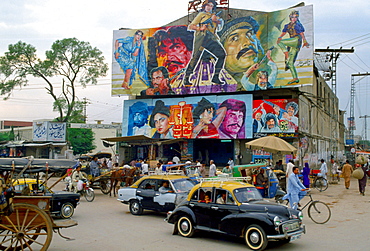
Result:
pixel 285 235
pixel 123 201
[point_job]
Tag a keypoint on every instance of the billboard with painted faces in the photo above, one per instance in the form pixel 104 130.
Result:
pixel 217 117
pixel 216 54
pixel 275 116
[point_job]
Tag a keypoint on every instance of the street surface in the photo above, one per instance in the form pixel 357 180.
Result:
pixel 106 224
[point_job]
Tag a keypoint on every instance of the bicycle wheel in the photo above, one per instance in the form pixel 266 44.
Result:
pixel 321 184
pixel 319 212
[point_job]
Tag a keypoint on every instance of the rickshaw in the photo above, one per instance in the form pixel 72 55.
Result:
pixel 250 172
pixel 25 220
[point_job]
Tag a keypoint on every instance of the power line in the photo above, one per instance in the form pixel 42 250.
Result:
pixel 351 39
pixel 362 61
pixel 362 69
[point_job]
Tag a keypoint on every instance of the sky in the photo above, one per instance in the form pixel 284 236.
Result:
pixel 42 22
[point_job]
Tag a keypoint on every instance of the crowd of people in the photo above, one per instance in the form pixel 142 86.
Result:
pixel 297 187
pixel 297 181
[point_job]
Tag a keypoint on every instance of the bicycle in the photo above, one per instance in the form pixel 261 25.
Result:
pixel 318 211
pixel 320 183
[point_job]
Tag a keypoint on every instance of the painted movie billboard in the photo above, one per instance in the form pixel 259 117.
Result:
pixel 214 54
pixel 275 116
pixel 193 117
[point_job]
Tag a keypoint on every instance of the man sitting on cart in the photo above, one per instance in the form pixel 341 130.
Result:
pixel 95 167
pixel 77 175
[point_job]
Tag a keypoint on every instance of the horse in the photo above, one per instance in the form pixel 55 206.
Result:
pixel 122 175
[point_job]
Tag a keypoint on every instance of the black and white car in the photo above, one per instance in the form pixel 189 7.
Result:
pixel 145 194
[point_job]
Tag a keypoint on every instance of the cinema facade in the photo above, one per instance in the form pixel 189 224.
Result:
pixel 202 93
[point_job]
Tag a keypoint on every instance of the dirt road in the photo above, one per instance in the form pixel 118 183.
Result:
pixel 106 224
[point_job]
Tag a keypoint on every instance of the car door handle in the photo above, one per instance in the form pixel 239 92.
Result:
pixel 156 194
pixel 214 208
pixel 191 204
pixel 138 191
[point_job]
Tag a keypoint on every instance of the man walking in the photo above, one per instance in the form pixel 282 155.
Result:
pixel 296 190
pixel 323 169
pixel 212 169
pixel 289 168
pixel 347 170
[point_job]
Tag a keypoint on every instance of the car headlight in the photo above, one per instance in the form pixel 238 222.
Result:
pixel 277 221
pixel 300 215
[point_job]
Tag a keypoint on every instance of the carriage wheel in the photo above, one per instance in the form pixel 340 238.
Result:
pixel 26 224
pixel 105 186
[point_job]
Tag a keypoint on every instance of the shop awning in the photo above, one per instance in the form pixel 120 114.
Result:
pixel 142 140
pixel 22 144
pixel 43 144
pixel 131 139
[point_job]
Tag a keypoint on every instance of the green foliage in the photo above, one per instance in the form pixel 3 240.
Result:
pixel 69 59
pixel 7 136
pixel 77 114
pixel 81 140
pixel 4 136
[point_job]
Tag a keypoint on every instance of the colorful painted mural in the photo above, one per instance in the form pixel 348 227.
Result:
pixel 190 117
pixel 275 116
pixel 214 54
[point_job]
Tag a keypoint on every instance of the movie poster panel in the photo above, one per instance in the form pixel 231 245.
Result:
pixel 214 55
pixel 198 117
pixel 275 116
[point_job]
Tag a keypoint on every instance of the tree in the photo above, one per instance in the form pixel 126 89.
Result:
pixel 69 59
pixel 81 140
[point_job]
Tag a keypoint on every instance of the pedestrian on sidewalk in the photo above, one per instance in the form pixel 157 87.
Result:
pixel 347 171
pixel 306 175
pixel 362 182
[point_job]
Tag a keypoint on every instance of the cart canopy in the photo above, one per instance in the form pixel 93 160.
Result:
pixel 35 165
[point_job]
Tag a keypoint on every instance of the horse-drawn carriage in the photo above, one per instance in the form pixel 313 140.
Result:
pixel 25 220
pixel 103 181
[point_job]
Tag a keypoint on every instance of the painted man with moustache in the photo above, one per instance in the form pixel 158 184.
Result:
pixel 233 124
pixel 245 55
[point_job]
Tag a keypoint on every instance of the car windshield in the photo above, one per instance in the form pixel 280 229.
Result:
pixel 182 185
pixel 247 194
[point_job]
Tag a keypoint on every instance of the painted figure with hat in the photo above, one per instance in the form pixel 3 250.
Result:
pixel 245 55
pixel 138 119
pixel 292 45
pixel 205 25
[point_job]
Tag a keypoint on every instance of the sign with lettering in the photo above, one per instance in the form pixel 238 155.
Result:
pixel 49 131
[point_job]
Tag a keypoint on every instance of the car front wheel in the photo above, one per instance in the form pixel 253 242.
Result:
pixel 185 226
pixel 66 210
pixel 135 207
pixel 255 237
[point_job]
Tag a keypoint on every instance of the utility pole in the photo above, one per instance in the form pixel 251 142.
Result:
pixel 365 117
pixel 333 57
pixel 352 103
pixel 84 109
